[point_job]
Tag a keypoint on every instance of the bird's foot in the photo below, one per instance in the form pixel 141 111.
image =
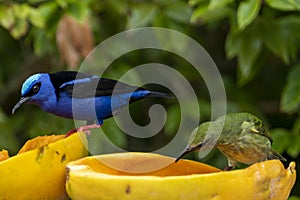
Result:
pixel 70 132
pixel 85 129
pixel 229 168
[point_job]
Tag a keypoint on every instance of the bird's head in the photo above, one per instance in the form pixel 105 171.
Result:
pixel 246 123
pixel 252 124
pixel 34 90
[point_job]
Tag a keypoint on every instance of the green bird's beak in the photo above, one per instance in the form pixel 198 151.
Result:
pixel 22 101
pixel 254 130
pixel 188 150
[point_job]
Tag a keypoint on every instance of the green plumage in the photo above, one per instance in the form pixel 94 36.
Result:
pixel 244 138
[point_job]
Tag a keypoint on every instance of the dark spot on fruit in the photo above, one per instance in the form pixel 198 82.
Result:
pixel 128 189
pixel 41 150
pixel 63 158
pixel 68 173
pixel 214 196
pixel 57 152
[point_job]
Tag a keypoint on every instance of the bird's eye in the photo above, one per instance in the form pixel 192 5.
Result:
pixel 258 123
pixel 36 88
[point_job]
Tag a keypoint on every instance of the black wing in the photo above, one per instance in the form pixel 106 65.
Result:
pixel 81 85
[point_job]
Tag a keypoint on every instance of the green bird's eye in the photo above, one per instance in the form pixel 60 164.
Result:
pixel 258 123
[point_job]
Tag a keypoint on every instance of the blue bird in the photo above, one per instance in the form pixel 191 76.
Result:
pixel 80 96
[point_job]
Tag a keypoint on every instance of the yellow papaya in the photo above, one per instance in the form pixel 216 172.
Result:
pixel 124 176
pixel 38 170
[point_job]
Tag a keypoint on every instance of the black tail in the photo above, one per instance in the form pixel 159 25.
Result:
pixel 159 94
pixel 151 94
pixel 274 155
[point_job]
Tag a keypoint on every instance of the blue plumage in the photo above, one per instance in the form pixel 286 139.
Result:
pixel 80 96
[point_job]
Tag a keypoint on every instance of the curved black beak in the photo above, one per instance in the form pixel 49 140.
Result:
pixel 183 153
pixel 22 100
pixel 188 150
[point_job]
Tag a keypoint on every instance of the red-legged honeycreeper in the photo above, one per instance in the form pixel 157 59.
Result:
pixel 80 96
pixel 244 138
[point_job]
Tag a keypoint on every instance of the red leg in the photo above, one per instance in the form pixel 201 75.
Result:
pixel 70 132
pixel 84 129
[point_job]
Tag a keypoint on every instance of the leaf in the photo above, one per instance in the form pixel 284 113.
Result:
pixel 232 45
pixel 247 60
pixel 14 18
pixel 290 99
pixel 6 16
pixel 247 46
pixel 284 5
pixel 296 127
pixel 281 139
pixel 21 11
pixel 20 28
pixel 196 2
pixel 246 13
pixel 62 3
pixel 291 23
pixel 120 6
pixel 141 15
pixel 179 11
pixel 281 36
pixel 41 14
pixel 294 198
pixel 79 10
pixel 294 146
pixel 276 41
pixel 198 13
pixel 202 14
pixel 213 4
pixel 36 1
pixel 36 19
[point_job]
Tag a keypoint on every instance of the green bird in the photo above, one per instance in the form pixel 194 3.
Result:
pixel 244 138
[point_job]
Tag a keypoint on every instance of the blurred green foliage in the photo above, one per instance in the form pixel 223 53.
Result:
pixel 254 44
